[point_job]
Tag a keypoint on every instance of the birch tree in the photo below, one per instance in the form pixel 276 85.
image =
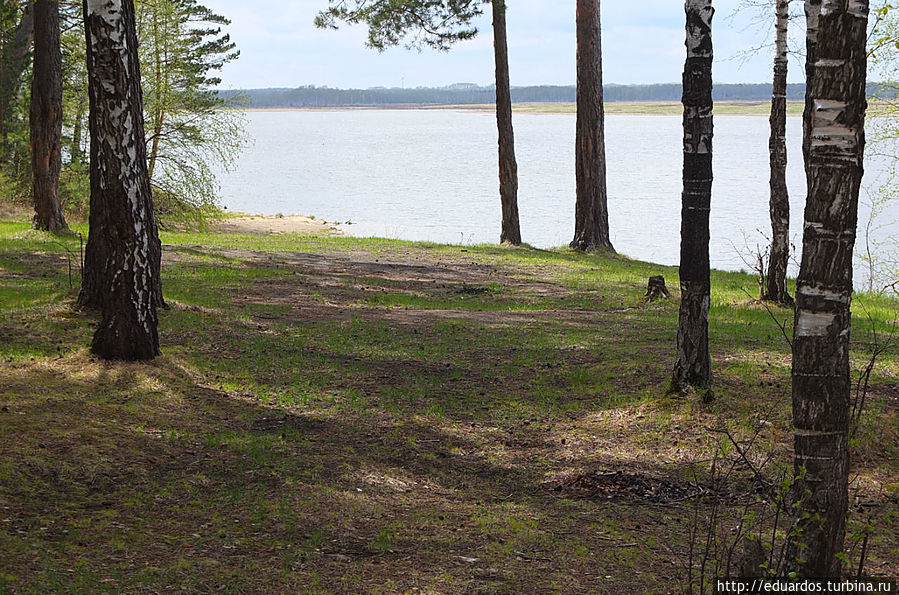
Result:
pixel 46 117
pixel 834 148
pixel 591 219
pixel 812 16
pixel 776 283
pixel 693 367
pixel 122 259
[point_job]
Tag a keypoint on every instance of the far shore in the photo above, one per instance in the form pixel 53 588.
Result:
pixel 633 108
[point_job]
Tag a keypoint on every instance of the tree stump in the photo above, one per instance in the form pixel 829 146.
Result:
pixel 656 289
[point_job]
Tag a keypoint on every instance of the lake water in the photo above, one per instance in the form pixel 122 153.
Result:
pixel 432 175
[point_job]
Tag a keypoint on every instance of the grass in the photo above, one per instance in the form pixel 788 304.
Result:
pixel 333 414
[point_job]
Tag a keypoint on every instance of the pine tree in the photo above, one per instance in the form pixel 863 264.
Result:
pixel 182 47
pixel 591 219
pixel 508 167
pixel 46 117
pixel 16 36
pixel 13 62
pixel 439 24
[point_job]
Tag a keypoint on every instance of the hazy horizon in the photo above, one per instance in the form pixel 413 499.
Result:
pixel 642 45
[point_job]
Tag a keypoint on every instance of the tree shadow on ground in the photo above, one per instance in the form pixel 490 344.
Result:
pixel 300 436
pixel 141 475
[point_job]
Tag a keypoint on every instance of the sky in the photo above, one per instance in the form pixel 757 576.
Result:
pixel 643 42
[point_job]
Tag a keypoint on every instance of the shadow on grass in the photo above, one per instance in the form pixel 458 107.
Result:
pixel 130 476
pixel 364 422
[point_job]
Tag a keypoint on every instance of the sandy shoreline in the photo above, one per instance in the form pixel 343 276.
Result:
pixel 236 223
pixel 275 224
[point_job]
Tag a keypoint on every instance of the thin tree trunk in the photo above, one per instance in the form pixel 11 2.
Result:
pixel 158 111
pixel 121 269
pixel 508 168
pixel 693 367
pixel 154 144
pixel 46 118
pixel 591 218
pixel 835 142
pixel 776 283
pixel 77 134
pixel 12 65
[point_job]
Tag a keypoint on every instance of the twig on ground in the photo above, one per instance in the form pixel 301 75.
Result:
pixel 528 557
pixel 781 325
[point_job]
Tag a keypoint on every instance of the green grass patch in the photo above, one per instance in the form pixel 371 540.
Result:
pixel 375 414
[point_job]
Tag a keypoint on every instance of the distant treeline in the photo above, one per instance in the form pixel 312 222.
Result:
pixel 311 96
pixel 462 94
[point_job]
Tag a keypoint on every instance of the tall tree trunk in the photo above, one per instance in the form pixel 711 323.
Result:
pixel 776 283
pixel 12 65
pixel 835 140
pixel 122 260
pixel 508 168
pixel 46 117
pixel 693 367
pixel 591 218
pixel 812 18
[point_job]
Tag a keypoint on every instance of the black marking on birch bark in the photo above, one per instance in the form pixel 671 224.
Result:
pixel 812 18
pixel 693 367
pixel 123 250
pixel 833 147
pixel 116 64
pixel 779 204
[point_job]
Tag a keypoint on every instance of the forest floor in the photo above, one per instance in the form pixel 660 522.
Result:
pixel 343 415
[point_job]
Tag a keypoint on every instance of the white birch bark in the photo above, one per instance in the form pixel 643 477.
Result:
pixel 122 257
pixel 693 367
pixel 834 147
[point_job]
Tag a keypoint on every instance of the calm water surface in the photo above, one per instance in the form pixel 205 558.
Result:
pixel 432 175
